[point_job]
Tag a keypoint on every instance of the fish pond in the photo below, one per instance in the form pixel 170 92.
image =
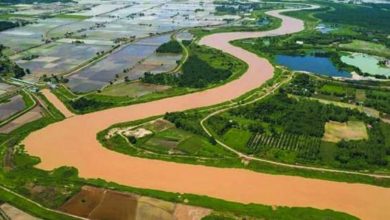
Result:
pixel 367 64
pixel 314 64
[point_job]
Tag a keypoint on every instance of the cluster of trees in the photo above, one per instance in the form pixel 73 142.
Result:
pixel 9 67
pixel 284 114
pixel 55 79
pixel 186 121
pixel 196 73
pixel 170 47
pixel 84 104
pixel 160 79
pixel 302 85
pixel 4 25
pixel 221 124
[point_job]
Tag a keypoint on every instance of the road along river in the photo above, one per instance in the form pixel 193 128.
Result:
pixel 72 142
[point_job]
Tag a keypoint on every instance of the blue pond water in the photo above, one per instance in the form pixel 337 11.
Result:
pixel 318 65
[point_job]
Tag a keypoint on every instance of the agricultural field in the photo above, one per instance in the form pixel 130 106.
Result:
pixel 6 88
pixel 33 35
pixel 11 106
pixel 131 61
pixel 97 203
pixel 132 89
pixel 56 58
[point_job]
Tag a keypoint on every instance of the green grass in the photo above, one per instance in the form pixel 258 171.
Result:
pixel 333 89
pixel 8 16
pixel 237 138
pixel 132 89
pixel 328 151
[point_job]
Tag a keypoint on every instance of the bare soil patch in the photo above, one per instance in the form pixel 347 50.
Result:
pixel 351 130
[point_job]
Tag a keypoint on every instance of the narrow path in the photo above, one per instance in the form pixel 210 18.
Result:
pixel 72 142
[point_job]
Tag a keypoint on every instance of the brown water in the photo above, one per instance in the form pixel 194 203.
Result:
pixel 72 142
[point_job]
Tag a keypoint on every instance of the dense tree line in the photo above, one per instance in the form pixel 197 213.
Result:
pixel 84 104
pixel 170 47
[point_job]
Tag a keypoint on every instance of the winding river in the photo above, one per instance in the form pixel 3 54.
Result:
pixel 72 142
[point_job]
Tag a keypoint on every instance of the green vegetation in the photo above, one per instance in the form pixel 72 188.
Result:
pixel 170 47
pixel 197 73
pixel 9 68
pixel 71 16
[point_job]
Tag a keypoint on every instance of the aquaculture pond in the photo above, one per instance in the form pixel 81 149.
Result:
pixel 366 63
pixel 136 58
pixel 314 64
pixel 12 106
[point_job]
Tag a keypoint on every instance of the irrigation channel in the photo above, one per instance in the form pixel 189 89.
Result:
pixel 72 142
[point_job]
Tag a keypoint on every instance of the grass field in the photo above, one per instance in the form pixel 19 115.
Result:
pixel 237 138
pixel 360 95
pixel 132 89
pixel 351 130
pixel 368 47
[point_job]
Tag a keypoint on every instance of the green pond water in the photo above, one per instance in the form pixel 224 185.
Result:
pixel 366 63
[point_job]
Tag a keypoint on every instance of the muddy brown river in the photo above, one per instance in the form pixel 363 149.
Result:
pixel 72 142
